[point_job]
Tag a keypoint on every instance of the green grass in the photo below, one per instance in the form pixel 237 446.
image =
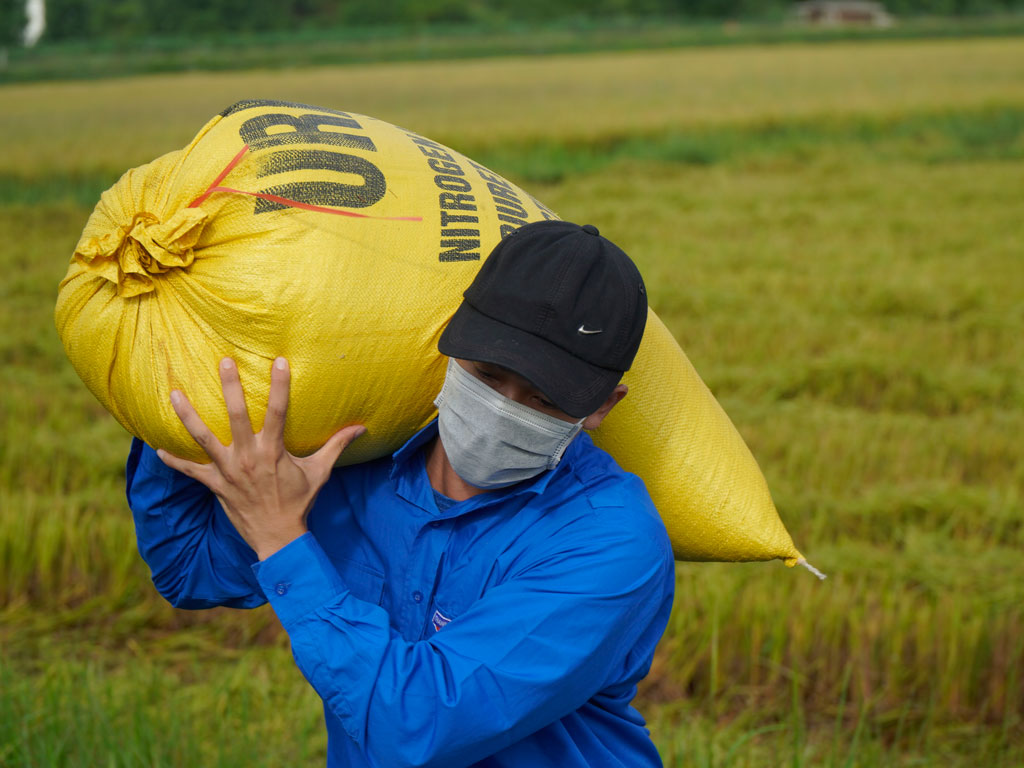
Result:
pixel 230 708
pixel 989 133
pixel 241 710
pixel 849 286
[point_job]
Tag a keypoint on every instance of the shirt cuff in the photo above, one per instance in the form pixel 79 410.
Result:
pixel 298 579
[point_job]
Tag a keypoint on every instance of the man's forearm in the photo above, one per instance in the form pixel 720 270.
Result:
pixel 196 557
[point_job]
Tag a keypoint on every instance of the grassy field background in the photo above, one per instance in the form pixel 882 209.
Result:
pixel 835 236
pixel 121 55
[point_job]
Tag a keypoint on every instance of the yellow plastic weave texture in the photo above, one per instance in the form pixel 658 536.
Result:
pixel 344 244
pixel 672 432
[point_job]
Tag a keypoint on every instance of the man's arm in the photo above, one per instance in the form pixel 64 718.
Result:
pixel 201 525
pixel 526 654
pixel 197 558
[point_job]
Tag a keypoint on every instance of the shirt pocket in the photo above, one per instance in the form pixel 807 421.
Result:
pixel 444 609
pixel 364 581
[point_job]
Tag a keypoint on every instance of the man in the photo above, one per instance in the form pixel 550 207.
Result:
pixel 492 593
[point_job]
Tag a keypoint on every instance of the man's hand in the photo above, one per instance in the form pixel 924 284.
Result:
pixel 266 491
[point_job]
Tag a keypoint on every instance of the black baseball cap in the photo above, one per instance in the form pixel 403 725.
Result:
pixel 558 304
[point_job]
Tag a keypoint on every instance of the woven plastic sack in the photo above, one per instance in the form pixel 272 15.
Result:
pixel 343 243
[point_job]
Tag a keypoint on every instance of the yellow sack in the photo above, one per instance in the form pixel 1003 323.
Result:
pixel 343 243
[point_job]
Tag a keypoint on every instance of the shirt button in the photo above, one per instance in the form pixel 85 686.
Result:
pixel 281 588
pixel 417 596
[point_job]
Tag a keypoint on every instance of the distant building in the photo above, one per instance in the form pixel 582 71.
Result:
pixel 36 13
pixel 839 13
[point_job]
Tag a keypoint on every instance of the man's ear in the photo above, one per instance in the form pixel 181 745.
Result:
pixel 593 421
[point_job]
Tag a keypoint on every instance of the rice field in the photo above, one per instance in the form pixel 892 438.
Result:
pixel 61 128
pixel 835 236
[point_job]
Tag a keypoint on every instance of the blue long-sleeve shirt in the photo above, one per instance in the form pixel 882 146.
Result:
pixel 509 629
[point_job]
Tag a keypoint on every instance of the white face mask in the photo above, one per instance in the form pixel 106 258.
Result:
pixel 492 441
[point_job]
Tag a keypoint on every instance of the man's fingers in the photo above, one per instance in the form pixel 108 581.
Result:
pixel 234 398
pixel 277 402
pixel 204 473
pixel 196 426
pixel 326 457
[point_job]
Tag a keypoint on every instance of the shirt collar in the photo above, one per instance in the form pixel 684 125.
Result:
pixel 413 444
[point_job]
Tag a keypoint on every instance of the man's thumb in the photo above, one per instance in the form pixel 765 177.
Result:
pixel 336 445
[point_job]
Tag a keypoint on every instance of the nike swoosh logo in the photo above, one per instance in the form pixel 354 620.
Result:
pixel 586 332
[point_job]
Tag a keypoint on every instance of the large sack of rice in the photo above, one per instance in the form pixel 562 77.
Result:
pixel 343 243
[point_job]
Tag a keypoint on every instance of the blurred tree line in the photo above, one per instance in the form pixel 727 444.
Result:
pixel 92 19
pixel 13 18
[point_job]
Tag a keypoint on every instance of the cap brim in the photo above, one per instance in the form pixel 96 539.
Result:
pixel 574 385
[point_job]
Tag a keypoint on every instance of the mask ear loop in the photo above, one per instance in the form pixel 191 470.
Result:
pixel 439 400
pixel 557 456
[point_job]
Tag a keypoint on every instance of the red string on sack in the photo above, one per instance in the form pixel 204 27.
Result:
pixel 227 169
pixel 215 187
